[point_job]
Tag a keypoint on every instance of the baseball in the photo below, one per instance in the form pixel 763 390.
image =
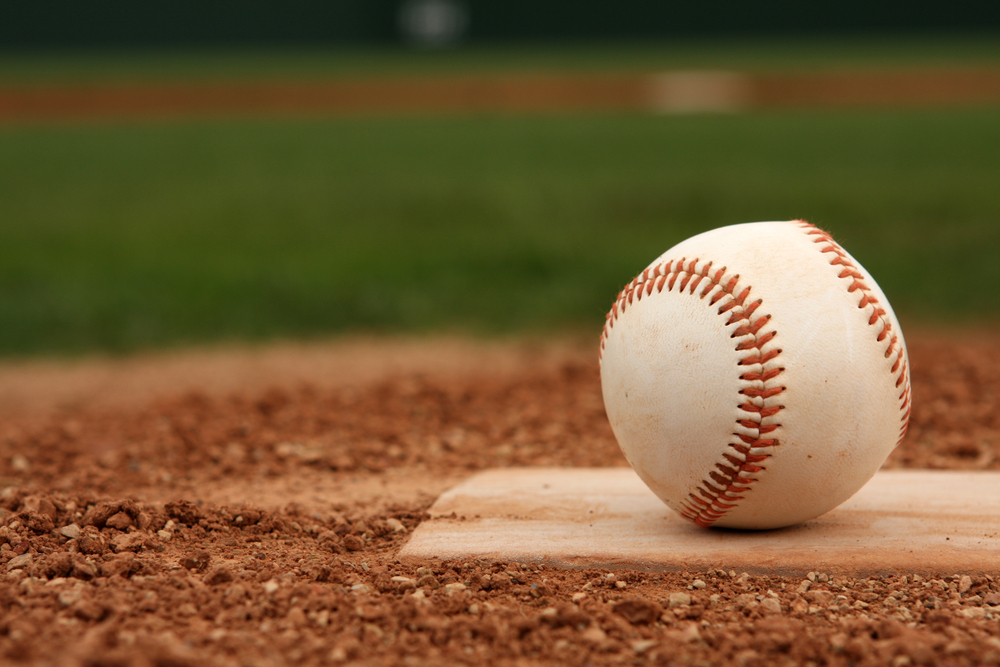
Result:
pixel 755 375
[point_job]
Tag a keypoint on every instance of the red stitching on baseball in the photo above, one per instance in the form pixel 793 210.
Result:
pixel 732 477
pixel 899 368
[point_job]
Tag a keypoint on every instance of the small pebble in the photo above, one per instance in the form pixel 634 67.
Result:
pixel 593 635
pixel 17 562
pixel 69 597
pixel 771 605
pixel 642 645
pixel 690 633
pixel 679 599
pixel 71 532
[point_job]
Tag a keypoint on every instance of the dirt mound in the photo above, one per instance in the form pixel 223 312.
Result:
pixel 258 521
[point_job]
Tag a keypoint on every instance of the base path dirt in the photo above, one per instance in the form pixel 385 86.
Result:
pixel 247 507
pixel 667 92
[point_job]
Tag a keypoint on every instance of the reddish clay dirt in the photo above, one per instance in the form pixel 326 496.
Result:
pixel 256 520
pixel 692 91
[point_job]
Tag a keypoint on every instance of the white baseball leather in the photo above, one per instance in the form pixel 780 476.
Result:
pixel 755 375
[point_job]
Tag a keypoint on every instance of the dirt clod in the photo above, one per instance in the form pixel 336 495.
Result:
pixel 637 610
pixel 196 560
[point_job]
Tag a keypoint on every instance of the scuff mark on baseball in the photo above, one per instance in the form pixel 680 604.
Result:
pixel 755 375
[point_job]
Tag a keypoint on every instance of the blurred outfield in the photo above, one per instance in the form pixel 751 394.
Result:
pixel 742 54
pixel 124 236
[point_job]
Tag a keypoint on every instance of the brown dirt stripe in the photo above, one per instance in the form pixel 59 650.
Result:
pixel 666 92
pixel 917 88
pixel 403 95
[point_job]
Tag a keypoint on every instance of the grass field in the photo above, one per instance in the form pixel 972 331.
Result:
pixel 123 237
pixel 117 237
pixel 750 55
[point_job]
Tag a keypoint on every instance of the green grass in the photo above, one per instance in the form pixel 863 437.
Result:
pixel 123 237
pixel 88 67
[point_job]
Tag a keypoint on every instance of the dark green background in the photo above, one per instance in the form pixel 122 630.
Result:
pixel 130 23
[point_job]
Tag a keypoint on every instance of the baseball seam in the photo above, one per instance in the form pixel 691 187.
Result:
pixel 878 317
pixel 755 437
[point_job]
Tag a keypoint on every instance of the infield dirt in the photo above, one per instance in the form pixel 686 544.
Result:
pixel 552 93
pixel 246 507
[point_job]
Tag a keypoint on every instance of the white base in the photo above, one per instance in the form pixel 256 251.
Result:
pixel 905 520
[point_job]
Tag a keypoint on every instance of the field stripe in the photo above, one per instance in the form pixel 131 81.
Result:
pixel 672 92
